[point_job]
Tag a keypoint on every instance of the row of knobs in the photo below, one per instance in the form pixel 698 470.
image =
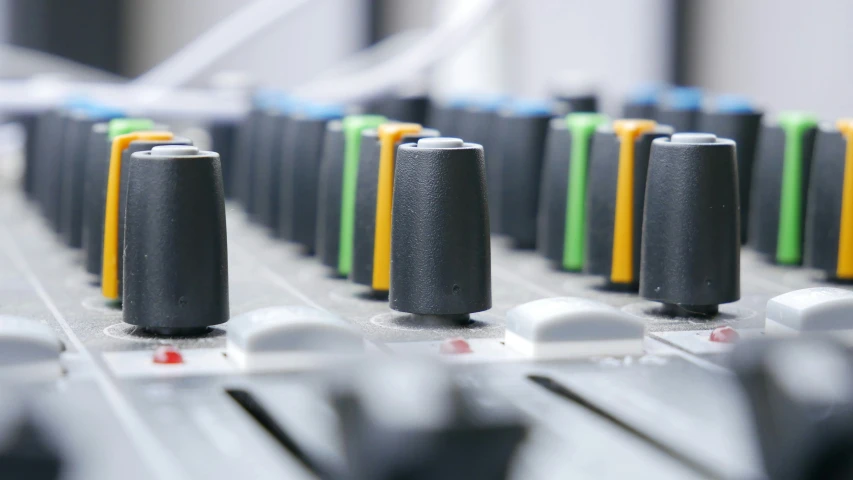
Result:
pixel 144 206
pixel 564 174
pixel 574 187
pixel 390 205
pixel 151 218
pixel 402 210
pixel 632 201
pixel 793 174
pixel 435 259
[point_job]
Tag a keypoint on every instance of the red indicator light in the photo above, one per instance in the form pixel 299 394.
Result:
pixel 168 355
pixel 455 346
pixel 724 335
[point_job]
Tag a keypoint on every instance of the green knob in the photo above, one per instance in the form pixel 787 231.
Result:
pixel 352 126
pixel 121 126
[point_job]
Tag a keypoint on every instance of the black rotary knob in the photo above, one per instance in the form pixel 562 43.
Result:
pixel 51 167
pixel 140 145
pixel 257 138
pixel 440 257
pixel 223 139
pixel 780 180
pixel 94 190
pixel 49 131
pixel 516 167
pixel 299 174
pixel 738 120
pixel 615 199
pixel 51 134
pixel 829 219
pixel 478 120
pixel 691 230
pixel 175 258
pixel 329 189
pixel 73 171
pixel 271 127
pixel 240 184
pixel 29 122
pixel 477 123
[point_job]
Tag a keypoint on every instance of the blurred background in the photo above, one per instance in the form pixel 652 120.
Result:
pixel 782 54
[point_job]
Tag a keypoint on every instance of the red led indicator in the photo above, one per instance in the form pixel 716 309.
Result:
pixel 168 355
pixel 724 335
pixel 455 346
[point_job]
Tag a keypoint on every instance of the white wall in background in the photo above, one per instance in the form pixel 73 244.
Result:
pixel 785 54
pixel 481 65
pixel 621 43
pixel 309 41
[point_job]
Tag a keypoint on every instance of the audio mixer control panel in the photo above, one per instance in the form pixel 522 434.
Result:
pixel 476 288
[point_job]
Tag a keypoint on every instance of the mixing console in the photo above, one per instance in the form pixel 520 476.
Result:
pixel 481 288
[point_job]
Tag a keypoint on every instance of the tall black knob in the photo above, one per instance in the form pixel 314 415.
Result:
pixel 829 220
pixel 780 180
pixel 175 260
pixel 271 132
pixel 141 145
pixel 94 196
pixel 240 187
pixel 440 257
pixel 299 174
pixel 412 420
pixel 257 137
pixel 521 130
pixel 478 120
pixel 737 120
pixel 49 128
pixel 691 229
pixel 223 138
pixel 478 123
pixel 615 198
pixel 51 163
pixel 73 172
pixel 29 122
pixel 801 399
